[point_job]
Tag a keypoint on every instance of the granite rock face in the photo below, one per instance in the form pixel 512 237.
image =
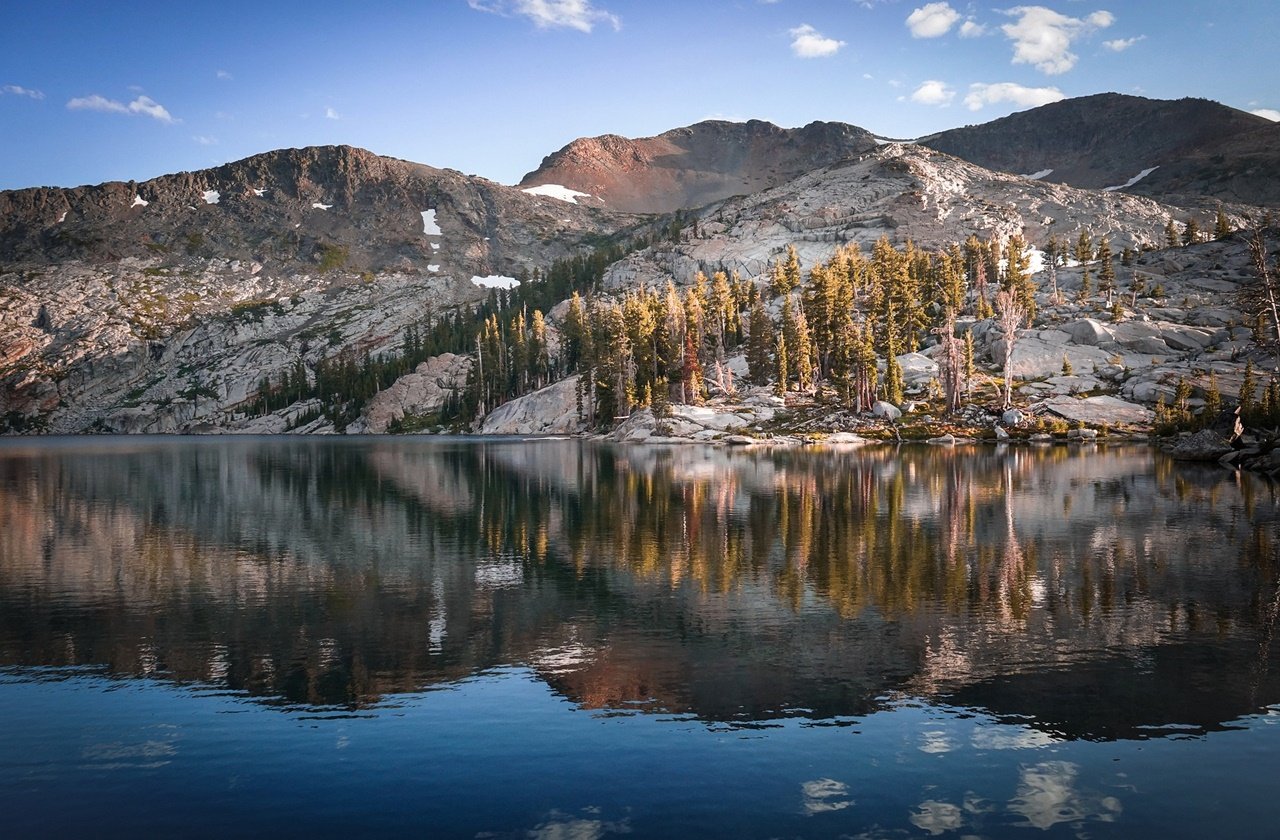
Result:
pixel 550 411
pixel 419 394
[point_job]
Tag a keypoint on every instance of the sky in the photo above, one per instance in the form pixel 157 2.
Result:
pixel 93 91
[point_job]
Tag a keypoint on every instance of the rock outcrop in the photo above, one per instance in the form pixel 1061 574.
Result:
pixel 548 411
pixel 419 395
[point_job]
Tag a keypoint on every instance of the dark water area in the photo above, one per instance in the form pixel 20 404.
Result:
pixel 560 639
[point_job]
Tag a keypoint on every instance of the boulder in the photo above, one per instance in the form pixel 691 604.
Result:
pixel 917 369
pixel 1204 445
pixel 549 411
pixel 1099 410
pixel 886 411
pixel 1013 417
pixel 1035 357
pixel 1088 331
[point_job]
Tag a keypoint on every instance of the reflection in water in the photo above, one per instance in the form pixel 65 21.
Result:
pixel 875 642
pixel 728 585
pixel 1047 795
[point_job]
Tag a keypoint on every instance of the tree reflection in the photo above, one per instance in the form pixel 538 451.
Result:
pixel 733 585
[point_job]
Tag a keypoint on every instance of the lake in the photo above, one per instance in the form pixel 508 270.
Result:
pixel 565 639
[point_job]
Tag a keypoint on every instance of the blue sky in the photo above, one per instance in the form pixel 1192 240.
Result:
pixel 96 91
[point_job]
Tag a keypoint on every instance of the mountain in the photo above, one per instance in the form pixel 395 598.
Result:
pixel 696 165
pixel 901 190
pixel 162 305
pixel 292 207
pixel 1188 148
pixel 290 291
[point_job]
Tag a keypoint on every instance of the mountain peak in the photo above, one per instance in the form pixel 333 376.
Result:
pixel 1193 146
pixel 697 164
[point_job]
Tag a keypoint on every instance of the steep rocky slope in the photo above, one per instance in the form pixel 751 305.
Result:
pixel 1191 147
pixel 692 166
pixel 159 306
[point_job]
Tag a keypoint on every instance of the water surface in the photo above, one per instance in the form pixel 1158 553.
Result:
pixel 561 639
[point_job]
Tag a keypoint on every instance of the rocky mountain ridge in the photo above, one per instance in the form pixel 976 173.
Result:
pixel 904 191
pixel 1188 149
pixel 301 207
pixel 696 165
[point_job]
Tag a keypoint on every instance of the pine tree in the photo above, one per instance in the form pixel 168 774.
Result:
pixel 1086 285
pixel 1084 248
pixel 1212 402
pixel 791 269
pixel 1106 269
pixel 1182 403
pixel 780 357
pixel 803 354
pixel 864 371
pixel 894 390
pixel 539 351
pixel 759 340
pixel 1191 233
pixel 1221 225
pixel 1018 276
pixel 1247 387
pixel 1171 237
pixel 576 331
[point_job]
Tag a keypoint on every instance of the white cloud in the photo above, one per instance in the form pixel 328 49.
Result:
pixel 808 42
pixel 151 108
pixel 204 140
pixel 143 105
pixel 19 90
pixel 933 92
pixel 981 95
pixel 551 14
pixel 969 29
pixel 1267 113
pixel 1042 37
pixel 225 75
pixel 330 114
pixel 932 20
pixel 1122 44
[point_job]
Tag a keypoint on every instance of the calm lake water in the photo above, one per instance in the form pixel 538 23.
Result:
pixel 558 639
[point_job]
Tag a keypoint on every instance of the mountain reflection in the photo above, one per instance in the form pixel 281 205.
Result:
pixel 1094 594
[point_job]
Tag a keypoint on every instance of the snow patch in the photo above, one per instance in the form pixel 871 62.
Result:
pixel 433 268
pixel 259 193
pixel 1129 183
pixel 318 206
pixel 139 201
pixel 435 246
pixel 1035 260
pixel 429 226
pixel 496 281
pixel 63 217
pixel 557 192
pixel 1036 176
pixel 212 196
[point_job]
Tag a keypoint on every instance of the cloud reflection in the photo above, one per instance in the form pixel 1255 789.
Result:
pixel 1047 796
pixel 938 817
pixel 824 795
